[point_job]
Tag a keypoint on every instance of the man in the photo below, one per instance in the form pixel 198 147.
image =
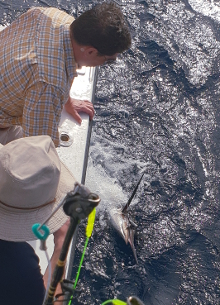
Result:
pixel 40 52
pixel 39 55
pixel 28 167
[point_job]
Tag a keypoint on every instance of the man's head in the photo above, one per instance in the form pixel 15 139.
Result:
pixel 100 32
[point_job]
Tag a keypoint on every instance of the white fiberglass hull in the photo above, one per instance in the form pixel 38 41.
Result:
pixel 74 147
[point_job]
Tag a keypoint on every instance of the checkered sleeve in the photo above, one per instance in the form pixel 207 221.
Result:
pixel 42 111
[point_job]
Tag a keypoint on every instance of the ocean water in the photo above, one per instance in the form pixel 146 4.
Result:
pixel 157 113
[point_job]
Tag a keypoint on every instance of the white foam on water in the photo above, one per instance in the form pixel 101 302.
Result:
pixel 207 8
pixel 105 187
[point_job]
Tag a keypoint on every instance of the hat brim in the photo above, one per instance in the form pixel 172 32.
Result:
pixel 16 225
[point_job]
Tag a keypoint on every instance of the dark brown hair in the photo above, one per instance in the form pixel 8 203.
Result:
pixel 103 27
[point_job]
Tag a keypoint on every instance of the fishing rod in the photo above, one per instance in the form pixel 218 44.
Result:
pixel 77 204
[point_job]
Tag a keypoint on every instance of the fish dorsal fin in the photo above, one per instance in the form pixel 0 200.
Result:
pixel 132 195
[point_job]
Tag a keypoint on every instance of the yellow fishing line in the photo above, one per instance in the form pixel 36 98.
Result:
pixel 89 229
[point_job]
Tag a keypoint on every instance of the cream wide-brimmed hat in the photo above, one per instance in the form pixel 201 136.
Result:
pixel 33 181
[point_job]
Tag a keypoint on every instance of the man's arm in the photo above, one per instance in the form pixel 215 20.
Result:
pixel 42 111
pixel 43 107
pixel 74 106
pixel 59 237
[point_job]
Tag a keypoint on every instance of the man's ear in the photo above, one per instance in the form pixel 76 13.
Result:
pixel 91 51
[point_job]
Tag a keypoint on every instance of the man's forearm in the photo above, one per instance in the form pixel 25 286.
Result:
pixel 59 237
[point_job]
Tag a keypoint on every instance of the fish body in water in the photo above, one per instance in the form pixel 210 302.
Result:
pixel 123 225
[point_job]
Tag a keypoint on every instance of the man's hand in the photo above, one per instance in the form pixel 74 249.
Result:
pixel 74 106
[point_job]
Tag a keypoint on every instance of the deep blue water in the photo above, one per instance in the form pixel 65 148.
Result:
pixel 157 112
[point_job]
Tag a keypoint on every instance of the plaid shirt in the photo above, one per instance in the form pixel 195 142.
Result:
pixel 37 69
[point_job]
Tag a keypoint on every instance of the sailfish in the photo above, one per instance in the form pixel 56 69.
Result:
pixel 123 225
